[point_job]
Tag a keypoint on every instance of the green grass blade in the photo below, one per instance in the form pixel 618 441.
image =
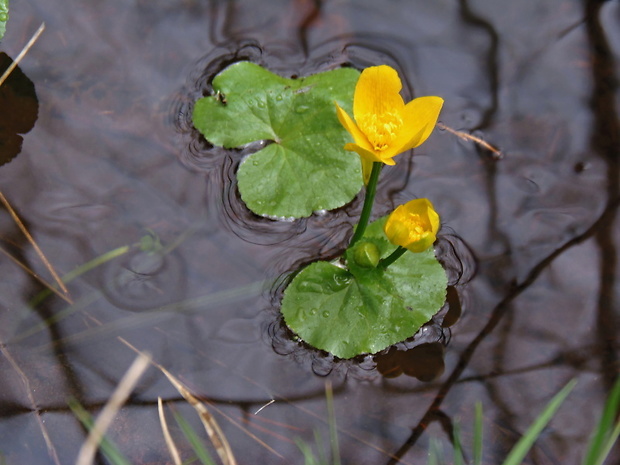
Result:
pixel 306 450
pixel 80 270
pixel 333 430
pixel 318 440
pixel 433 453
pixel 201 451
pixel 520 450
pixel 606 423
pixel 478 434
pixel 457 445
pixel 606 448
pixel 108 448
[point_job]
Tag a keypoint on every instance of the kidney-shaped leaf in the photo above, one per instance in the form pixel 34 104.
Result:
pixel 304 168
pixel 359 310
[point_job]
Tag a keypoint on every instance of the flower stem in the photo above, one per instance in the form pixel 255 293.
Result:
pixel 369 198
pixel 387 261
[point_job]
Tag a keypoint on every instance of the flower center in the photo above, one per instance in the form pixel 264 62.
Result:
pixel 418 227
pixel 381 129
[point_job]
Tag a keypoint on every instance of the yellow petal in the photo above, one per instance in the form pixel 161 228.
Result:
pixel 366 157
pixel 358 136
pixel 369 155
pixel 366 169
pixel 377 92
pixel 419 119
pixel 422 244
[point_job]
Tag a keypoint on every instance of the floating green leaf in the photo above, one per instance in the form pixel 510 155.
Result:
pixel 363 310
pixel 4 16
pixel 305 167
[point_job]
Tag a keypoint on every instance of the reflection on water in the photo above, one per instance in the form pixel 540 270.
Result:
pixel 113 155
pixel 19 104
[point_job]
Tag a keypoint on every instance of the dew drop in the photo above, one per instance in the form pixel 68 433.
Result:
pixel 3 17
pixel 307 286
pixel 313 311
pixel 302 108
pixel 261 104
pixel 341 280
pixel 325 314
pixel 279 97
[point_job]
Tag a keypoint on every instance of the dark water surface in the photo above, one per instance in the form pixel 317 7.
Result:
pixel 531 237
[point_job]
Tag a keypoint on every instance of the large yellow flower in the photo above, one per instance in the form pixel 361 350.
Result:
pixel 384 126
pixel 413 225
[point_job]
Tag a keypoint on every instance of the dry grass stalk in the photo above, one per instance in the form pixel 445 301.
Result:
pixel 468 137
pixel 174 452
pixel 118 398
pixel 37 249
pixel 252 435
pixel 215 433
pixel 36 276
pixel 22 54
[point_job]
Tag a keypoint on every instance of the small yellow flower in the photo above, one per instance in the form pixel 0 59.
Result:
pixel 384 126
pixel 413 225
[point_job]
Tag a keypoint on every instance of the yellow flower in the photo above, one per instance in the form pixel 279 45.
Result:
pixel 413 225
pixel 384 126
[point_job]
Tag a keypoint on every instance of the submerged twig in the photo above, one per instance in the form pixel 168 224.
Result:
pixel 468 137
pixel 22 54
pixel 119 397
pixel 48 442
pixel 37 249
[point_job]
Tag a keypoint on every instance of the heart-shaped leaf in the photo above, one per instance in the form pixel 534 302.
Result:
pixel 364 310
pixel 304 168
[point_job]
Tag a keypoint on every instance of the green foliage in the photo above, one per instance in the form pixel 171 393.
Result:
pixel 110 451
pixel 4 16
pixel 607 431
pixel 309 457
pixel 522 447
pixel 603 438
pixel 192 436
pixel 363 310
pixel 305 167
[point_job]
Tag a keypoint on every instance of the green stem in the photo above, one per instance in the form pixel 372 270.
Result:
pixel 369 198
pixel 387 261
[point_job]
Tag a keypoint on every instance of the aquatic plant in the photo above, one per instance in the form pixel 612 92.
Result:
pixel 375 294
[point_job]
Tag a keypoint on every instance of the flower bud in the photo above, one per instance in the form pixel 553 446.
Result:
pixel 413 225
pixel 366 255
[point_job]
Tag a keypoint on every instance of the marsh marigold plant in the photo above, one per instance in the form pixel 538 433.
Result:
pixel 382 125
pixel 413 225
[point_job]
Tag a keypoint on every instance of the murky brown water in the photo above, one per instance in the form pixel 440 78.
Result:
pixel 112 158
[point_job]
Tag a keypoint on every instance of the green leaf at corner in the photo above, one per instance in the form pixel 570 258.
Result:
pixel 358 310
pixel 4 16
pixel 304 168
